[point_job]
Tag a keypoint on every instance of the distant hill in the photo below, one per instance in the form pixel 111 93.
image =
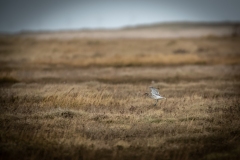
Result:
pixel 157 30
pixel 174 25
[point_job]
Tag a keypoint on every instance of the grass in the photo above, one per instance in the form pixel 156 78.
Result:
pixel 120 52
pixel 84 99
pixel 8 80
pixel 100 120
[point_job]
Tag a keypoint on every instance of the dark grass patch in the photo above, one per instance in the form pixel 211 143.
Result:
pixel 8 80
pixel 180 51
pixel 4 80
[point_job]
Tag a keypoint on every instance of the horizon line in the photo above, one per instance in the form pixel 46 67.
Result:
pixel 136 26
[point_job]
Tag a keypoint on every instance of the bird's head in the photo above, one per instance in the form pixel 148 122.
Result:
pixel 154 87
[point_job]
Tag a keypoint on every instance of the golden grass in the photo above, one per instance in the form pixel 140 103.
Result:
pixel 84 99
pixel 120 52
pixel 121 61
pixel 112 121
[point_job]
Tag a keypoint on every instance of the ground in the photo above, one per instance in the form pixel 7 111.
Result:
pixel 83 98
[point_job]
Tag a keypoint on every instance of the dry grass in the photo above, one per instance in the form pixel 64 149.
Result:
pixel 55 106
pixel 120 52
pixel 92 120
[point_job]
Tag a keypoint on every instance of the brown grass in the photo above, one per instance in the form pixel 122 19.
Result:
pixel 83 99
pixel 120 52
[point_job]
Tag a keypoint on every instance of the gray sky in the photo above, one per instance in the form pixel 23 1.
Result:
pixel 17 15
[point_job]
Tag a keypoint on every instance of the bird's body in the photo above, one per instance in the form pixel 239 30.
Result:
pixel 155 94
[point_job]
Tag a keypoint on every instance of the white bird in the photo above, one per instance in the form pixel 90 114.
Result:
pixel 155 95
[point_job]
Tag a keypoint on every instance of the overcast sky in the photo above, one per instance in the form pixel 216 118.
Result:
pixel 17 15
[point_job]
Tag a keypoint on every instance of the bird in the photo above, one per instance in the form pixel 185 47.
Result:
pixel 155 95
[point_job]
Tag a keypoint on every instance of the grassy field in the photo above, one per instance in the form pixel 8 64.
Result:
pixel 84 98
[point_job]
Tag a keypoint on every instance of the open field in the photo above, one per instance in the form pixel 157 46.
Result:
pixel 84 98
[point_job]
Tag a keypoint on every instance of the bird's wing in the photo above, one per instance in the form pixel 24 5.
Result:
pixel 154 91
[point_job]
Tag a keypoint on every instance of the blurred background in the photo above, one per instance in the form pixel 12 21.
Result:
pixel 45 15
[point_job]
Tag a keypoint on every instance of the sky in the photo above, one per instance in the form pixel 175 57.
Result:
pixel 37 15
